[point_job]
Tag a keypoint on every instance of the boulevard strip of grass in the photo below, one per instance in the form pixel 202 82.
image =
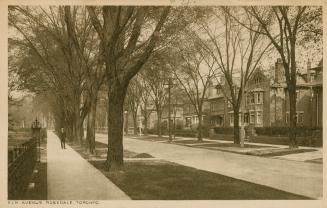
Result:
pixel 248 149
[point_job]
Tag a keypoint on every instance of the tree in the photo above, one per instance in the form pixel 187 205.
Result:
pixel 284 25
pixel 145 102
pixel 94 68
pixel 37 70
pixel 133 100
pixel 155 77
pixel 194 77
pixel 236 51
pixel 57 59
pixel 123 55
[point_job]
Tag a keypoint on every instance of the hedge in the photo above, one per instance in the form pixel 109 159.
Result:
pixel 182 132
pixel 223 130
pixel 284 131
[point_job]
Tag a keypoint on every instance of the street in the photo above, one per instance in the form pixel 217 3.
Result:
pixel 291 176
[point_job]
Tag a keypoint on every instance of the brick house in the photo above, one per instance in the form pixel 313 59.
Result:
pixel 191 118
pixel 265 101
pixel 308 98
pixel 257 100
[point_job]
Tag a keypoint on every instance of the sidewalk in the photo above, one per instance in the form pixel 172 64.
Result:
pixel 72 177
pixel 291 176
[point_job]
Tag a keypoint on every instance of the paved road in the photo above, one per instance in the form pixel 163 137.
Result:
pixel 72 177
pixel 291 176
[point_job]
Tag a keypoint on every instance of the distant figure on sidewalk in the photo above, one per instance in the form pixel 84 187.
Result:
pixel 62 138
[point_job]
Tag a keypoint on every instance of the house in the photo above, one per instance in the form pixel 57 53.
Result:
pixel 265 101
pixel 308 98
pixel 176 115
pixel 191 119
pixel 256 111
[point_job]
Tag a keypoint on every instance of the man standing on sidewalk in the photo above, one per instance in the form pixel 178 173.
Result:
pixel 62 138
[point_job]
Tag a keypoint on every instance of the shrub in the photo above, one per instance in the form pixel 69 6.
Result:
pixel 205 131
pixel 179 125
pixel 223 130
pixel 185 133
pixel 284 131
pixel 152 131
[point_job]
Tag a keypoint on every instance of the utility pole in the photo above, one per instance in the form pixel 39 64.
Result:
pixel 169 108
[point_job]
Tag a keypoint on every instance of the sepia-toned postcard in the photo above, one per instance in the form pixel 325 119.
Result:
pixel 175 103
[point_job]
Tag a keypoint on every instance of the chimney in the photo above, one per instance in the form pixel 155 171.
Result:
pixel 278 70
pixel 210 89
pixel 308 71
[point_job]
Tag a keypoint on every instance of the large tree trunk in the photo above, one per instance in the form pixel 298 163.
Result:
pixel 76 123
pixel 135 122
pixel 126 123
pixel 292 131
pixel 145 123
pixel 159 124
pixel 77 127
pixel 236 126
pixel 292 96
pixel 90 135
pixel 200 127
pixel 116 96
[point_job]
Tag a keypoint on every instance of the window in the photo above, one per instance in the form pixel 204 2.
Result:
pixel 252 116
pixel 195 119
pixel 259 97
pixel 259 117
pixel 257 80
pixel 213 106
pixel 219 92
pixel 246 118
pixel 252 98
pixel 298 95
pixel 299 117
pixel 231 119
pixel 187 122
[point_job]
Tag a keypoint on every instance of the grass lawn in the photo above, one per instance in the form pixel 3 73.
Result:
pixel 249 149
pixel 16 135
pixel 161 180
pixel 232 145
pixel 101 152
pixel 193 141
pixel 14 142
pixel 283 151
pixel 256 150
pixel 282 140
pixel 149 138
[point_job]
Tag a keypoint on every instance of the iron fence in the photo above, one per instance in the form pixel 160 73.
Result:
pixel 21 161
